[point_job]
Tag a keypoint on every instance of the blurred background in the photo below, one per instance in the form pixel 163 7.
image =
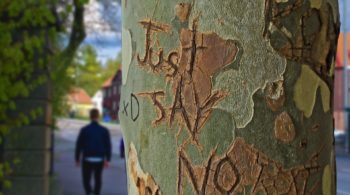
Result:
pixel 92 78
pixel 100 52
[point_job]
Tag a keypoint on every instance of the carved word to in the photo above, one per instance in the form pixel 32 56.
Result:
pixel 313 37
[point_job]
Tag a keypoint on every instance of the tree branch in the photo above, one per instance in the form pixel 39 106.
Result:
pixel 77 35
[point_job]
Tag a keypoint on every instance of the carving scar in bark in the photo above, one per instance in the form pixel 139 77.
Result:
pixel 144 182
pixel 154 96
pixel 244 166
pixel 302 44
pixel 190 71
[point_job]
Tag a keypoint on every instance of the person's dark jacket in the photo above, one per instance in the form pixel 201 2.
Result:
pixel 93 141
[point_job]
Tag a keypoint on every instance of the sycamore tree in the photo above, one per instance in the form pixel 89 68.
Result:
pixel 229 96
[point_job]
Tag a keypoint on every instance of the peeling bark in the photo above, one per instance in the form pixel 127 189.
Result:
pixel 238 95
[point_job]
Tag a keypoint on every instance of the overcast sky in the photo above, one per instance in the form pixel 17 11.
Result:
pixel 106 46
pixel 342 16
pixel 103 22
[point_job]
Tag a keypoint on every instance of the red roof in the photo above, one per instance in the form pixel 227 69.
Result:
pixel 79 95
pixel 340 50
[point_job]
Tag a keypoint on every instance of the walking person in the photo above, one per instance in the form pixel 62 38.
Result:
pixel 93 151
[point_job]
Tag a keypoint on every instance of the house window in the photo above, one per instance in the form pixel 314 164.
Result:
pixel 114 105
pixel 115 90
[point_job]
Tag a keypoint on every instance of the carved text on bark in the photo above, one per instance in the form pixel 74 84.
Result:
pixel 154 96
pixel 183 11
pixel 190 71
pixel 243 166
pixel 131 108
pixel 313 46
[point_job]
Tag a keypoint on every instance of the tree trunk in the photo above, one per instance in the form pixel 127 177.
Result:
pixel 228 96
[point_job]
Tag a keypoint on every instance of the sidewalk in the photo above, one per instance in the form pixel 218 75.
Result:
pixel 340 151
pixel 114 178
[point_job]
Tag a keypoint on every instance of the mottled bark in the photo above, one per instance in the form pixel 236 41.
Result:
pixel 229 97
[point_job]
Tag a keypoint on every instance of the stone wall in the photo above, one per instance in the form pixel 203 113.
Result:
pixel 31 144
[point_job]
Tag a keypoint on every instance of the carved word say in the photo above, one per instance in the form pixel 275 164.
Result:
pixel 190 70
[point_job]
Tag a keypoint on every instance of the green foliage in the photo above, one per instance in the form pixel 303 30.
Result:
pixel 88 73
pixel 61 83
pixel 22 53
pixel 112 65
pixel 86 69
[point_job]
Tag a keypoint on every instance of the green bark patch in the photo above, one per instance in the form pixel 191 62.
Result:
pixel 310 133
pixel 256 64
pixel 217 114
pixel 305 91
pixel 327 181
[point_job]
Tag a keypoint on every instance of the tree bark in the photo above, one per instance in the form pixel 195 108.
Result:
pixel 228 96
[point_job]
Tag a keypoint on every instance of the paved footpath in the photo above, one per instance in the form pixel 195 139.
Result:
pixel 343 172
pixel 114 178
pixel 343 175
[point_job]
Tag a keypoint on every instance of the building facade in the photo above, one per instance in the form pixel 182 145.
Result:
pixel 111 97
pixel 338 100
pixel 79 103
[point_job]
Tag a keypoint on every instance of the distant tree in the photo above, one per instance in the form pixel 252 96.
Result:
pixel 111 67
pixel 86 70
pixel 88 73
